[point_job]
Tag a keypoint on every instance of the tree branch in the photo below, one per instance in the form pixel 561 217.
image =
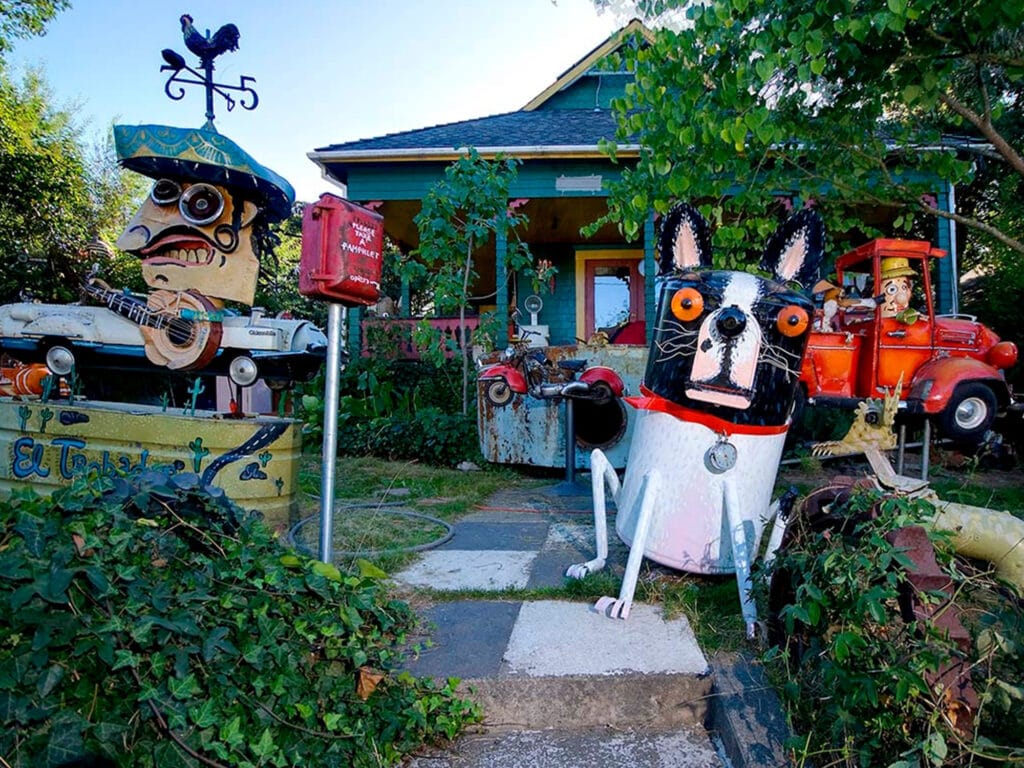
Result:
pixel 1002 146
pixel 981 226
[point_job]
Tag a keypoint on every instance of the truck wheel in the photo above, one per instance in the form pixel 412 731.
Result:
pixel 969 413
pixel 498 392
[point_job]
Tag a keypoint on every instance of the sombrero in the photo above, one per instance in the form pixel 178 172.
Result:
pixel 199 154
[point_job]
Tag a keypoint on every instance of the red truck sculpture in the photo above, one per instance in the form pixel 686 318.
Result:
pixel 951 367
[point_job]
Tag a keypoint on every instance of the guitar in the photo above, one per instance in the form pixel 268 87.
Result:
pixel 179 329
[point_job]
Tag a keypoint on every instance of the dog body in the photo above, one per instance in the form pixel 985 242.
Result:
pixel 714 407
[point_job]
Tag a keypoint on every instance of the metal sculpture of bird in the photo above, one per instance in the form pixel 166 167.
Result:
pixel 206 47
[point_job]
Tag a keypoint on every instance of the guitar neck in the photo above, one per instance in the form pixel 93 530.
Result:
pixel 132 308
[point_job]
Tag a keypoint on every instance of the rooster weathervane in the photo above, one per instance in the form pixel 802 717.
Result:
pixel 207 48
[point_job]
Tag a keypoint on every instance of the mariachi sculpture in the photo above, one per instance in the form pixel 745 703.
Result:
pixel 200 233
pixel 714 408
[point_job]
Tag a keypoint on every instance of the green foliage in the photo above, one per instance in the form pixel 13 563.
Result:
pixel 21 19
pixel 395 409
pixel 462 213
pixel 44 202
pixel 152 621
pixel 58 194
pixel 855 674
pixel 756 101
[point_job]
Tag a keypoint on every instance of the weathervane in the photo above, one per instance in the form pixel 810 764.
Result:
pixel 207 48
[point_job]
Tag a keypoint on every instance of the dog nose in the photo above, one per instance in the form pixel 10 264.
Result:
pixel 731 321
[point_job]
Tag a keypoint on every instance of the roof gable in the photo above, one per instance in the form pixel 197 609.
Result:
pixel 589 66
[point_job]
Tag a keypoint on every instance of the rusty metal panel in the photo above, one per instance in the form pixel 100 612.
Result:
pixel 254 460
pixel 532 431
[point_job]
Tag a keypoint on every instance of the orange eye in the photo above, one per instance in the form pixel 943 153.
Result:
pixel 792 320
pixel 687 304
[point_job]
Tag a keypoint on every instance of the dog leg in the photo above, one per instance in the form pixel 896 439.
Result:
pixel 778 531
pixel 601 472
pixel 742 547
pixel 619 608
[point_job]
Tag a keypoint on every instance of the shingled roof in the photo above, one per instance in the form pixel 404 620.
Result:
pixel 537 130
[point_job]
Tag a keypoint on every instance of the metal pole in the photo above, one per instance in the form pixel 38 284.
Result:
pixel 335 323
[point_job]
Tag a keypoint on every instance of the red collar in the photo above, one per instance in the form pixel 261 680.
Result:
pixel 654 402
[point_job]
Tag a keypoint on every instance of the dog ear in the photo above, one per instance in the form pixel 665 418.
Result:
pixel 685 242
pixel 794 252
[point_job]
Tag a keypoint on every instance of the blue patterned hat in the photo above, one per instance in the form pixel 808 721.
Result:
pixel 200 154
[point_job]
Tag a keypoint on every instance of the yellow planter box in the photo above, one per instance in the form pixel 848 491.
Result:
pixel 254 460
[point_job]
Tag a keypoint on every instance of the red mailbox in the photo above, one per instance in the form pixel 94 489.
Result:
pixel 341 251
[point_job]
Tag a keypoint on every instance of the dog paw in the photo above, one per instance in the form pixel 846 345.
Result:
pixel 613 607
pixel 582 570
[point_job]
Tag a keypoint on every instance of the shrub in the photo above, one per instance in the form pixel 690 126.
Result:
pixel 857 678
pixel 396 410
pixel 153 622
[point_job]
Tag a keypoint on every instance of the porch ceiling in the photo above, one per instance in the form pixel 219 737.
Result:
pixel 552 221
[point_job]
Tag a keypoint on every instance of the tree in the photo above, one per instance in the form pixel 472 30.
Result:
pixel 755 102
pixel 26 18
pixel 462 213
pixel 46 213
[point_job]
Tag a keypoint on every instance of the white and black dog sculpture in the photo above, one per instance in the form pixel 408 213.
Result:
pixel 713 410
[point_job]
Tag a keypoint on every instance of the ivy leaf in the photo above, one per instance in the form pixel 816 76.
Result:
pixel 183 688
pixel 50 679
pixel 265 747
pixel 327 570
pixel 204 715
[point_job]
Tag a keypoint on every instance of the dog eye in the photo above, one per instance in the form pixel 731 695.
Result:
pixel 792 320
pixel 687 304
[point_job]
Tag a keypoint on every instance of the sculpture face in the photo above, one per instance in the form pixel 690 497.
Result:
pixel 896 291
pixel 195 236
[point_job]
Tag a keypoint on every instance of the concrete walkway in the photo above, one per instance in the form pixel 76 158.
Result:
pixel 561 685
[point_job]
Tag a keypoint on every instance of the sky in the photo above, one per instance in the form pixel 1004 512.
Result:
pixel 326 72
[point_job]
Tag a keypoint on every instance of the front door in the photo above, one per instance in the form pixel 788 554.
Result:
pixel 613 292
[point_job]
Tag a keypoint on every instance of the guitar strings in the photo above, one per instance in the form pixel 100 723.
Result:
pixel 165 319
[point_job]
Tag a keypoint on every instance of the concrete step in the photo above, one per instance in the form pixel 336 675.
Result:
pixel 576 748
pixel 558 664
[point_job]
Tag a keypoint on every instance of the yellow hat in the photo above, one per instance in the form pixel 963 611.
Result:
pixel 896 266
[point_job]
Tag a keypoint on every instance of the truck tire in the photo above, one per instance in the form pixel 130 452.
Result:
pixel 969 413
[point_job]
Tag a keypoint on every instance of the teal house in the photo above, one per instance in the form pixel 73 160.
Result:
pixel 603 283
pixel 561 187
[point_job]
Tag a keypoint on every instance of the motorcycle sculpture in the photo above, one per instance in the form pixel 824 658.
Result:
pixel 526 370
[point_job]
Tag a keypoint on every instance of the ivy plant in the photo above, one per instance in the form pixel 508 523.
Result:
pixel 152 622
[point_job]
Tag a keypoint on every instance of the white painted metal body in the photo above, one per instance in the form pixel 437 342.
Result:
pixel 690 528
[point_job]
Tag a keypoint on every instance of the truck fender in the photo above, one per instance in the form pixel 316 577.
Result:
pixel 936 381
pixel 602 373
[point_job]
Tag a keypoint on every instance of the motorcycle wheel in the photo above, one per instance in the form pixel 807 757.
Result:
pixel 498 393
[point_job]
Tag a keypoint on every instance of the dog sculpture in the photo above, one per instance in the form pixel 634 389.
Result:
pixel 713 410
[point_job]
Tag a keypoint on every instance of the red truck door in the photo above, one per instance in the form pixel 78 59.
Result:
pixel 902 349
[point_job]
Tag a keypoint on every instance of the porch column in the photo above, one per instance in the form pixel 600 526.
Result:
pixel 501 287
pixel 354 323
pixel 650 272
pixel 947 275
